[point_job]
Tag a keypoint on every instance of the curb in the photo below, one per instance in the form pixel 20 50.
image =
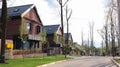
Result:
pixel 51 63
pixel 118 65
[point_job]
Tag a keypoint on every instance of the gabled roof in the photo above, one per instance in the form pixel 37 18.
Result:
pixel 17 10
pixel 51 29
pixel 67 36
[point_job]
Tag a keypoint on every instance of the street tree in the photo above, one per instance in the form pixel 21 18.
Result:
pixel 111 18
pixel 43 40
pixel 3 22
pixel 68 16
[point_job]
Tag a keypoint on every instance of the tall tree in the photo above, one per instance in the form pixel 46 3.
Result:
pixel 82 40
pixel 111 18
pixel 3 30
pixel 106 35
pixel 112 32
pixel 61 10
pixel 68 16
pixel 102 34
pixel 91 25
pixel 118 7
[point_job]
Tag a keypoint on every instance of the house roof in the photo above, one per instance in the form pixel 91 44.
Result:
pixel 67 36
pixel 51 29
pixel 17 10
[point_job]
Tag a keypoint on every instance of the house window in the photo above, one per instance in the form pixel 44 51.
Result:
pixel 29 26
pixel 58 38
pixel 37 29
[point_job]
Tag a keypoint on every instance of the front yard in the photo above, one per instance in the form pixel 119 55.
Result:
pixel 32 62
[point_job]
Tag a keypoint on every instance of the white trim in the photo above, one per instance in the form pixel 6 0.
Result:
pixel 27 10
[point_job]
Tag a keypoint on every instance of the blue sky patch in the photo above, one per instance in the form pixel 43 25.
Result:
pixel 50 3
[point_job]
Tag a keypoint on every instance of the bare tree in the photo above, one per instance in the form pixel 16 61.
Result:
pixel 61 7
pixel 111 18
pixel 102 34
pixel 91 25
pixel 106 35
pixel 3 30
pixel 118 7
pixel 68 16
pixel 82 38
pixel 112 32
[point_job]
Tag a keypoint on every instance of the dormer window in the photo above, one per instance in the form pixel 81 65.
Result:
pixel 16 9
pixel 50 29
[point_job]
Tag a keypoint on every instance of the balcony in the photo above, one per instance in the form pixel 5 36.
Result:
pixel 34 37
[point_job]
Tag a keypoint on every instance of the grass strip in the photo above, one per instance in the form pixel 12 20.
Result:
pixel 32 62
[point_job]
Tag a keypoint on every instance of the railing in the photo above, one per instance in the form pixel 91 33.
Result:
pixel 34 37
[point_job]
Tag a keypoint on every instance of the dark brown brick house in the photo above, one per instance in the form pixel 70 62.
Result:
pixel 54 47
pixel 33 23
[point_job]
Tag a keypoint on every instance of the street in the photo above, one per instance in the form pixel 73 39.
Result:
pixel 86 61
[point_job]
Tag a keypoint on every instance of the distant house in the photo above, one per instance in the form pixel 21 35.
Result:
pixel 68 38
pixel 27 15
pixel 53 47
pixel 69 41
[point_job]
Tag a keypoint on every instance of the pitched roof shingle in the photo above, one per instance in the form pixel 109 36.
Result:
pixel 51 29
pixel 17 10
pixel 67 36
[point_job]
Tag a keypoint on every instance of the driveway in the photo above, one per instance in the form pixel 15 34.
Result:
pixel 86 61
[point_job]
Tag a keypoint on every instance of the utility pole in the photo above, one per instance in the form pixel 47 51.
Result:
pixel 3 30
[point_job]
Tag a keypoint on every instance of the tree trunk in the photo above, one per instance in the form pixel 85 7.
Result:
pixel 118 1
pixel 3 27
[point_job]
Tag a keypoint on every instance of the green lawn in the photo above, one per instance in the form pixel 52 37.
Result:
pixel 32 62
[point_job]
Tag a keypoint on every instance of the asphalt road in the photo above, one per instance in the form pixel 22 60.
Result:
pixel 87 61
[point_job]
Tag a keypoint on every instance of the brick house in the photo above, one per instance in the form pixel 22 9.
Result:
pixel 54 47
pixel 68 38
pixel 69 41
pixel 25 14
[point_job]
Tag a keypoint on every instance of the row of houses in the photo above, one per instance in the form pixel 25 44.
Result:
pixel 27 15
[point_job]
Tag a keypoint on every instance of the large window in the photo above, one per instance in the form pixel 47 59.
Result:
pixel 58 38
pixel 37 29
pixel 29 26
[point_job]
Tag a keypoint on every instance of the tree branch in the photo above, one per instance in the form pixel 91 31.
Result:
pixel 65 3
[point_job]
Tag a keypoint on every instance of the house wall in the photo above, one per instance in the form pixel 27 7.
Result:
pixel 33 17
pixel 50 39
pixel 12 28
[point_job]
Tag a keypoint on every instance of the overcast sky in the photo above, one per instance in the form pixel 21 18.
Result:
pixel 84 12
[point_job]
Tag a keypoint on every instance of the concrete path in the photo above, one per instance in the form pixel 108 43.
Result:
pixel 87 61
